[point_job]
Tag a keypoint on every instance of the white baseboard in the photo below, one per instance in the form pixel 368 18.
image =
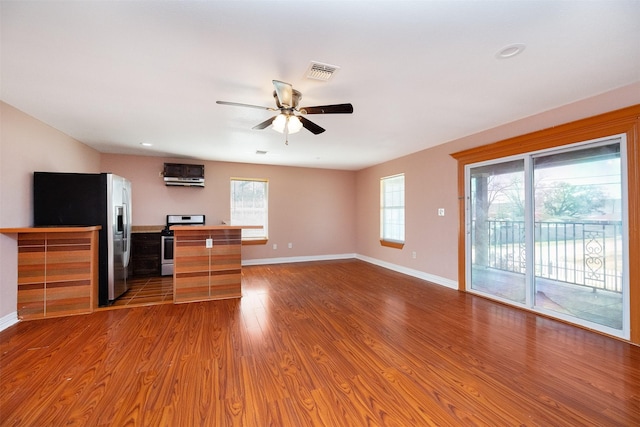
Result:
pixel 404 270
pixel 8 320
pixel 285 260
pixel 448 283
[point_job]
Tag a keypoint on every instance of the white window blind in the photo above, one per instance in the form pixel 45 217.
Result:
pixel 249 206
pixel 392 209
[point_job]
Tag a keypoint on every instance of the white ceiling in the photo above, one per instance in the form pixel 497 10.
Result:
pixel 418 73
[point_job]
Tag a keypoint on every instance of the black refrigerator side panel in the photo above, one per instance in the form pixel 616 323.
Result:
pixel 75 199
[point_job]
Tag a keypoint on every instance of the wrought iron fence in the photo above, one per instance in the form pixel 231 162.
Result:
pixel 584 253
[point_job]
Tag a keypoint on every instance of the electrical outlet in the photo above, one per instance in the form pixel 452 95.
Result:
pixel 290 245
pixel 440 211
pixel 275 246
pixel 209 243
pixel 414 255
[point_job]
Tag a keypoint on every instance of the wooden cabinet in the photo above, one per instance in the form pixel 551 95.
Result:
pixel 180 170
pixel 145 254
pixel 57 272
pixel 202 273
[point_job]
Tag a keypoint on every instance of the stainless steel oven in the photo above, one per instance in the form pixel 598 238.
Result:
pixel 167 244
pixel 166 255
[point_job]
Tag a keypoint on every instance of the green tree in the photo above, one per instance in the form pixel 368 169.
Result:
pixel 567 200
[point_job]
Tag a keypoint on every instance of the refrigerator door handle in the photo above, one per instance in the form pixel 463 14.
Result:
pixel 126 241
pixel 124 235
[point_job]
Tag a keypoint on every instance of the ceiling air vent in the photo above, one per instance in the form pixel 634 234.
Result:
pixel 320 71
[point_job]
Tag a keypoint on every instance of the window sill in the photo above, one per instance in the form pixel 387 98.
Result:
pixel 254 242
pixel 396 245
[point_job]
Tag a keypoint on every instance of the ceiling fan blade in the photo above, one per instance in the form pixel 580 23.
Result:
pixel 328 109
pixel 310 126
pixel 284 92
pixel 264 124
pixel 237 104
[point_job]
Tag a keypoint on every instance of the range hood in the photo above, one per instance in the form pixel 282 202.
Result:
pixel 183 175
pixel 183 182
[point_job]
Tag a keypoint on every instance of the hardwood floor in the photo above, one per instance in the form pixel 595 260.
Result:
pixel 336 343
pixel 146 291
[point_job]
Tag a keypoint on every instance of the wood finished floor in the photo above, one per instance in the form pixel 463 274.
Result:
pixel 146 291
pixel 339 343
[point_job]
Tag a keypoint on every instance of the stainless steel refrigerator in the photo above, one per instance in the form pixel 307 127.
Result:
pixel 81 199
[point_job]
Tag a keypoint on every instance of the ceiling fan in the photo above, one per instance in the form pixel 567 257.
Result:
pixel 291 117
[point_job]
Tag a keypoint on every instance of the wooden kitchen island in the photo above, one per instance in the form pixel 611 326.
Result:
pixel 207 262
pixel 57 270
pixel 58 267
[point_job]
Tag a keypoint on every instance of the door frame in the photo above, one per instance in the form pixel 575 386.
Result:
pixel 625 121
pixel 529 237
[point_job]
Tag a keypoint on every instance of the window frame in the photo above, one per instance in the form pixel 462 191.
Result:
pixel 385 239
pixel 256 240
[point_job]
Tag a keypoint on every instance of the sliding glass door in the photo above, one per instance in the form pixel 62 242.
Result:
pixel 578 235
pixel 547 231
pixel 496 230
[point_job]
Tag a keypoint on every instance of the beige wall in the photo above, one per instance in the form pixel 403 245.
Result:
pixel 431 183
pixel 28 145
pixel 314 209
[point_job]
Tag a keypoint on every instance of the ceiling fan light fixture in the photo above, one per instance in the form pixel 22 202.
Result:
pixel 282 122
pixel 294 124
pixel 290 119
pixel 279 123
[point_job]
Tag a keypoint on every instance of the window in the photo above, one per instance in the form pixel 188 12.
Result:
pixel 392 211
pixel 249 203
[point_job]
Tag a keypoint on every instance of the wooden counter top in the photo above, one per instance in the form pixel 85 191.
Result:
pixel 147 229
pixel 212 227
pixel 52 229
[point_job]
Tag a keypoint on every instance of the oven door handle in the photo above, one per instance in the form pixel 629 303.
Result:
pixel 167 249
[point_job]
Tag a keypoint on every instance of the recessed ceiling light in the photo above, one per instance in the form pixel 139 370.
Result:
pixel 510 51
pixel 146 144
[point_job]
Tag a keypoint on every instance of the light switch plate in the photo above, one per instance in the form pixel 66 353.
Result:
pixel 209 243
pixel 440 211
